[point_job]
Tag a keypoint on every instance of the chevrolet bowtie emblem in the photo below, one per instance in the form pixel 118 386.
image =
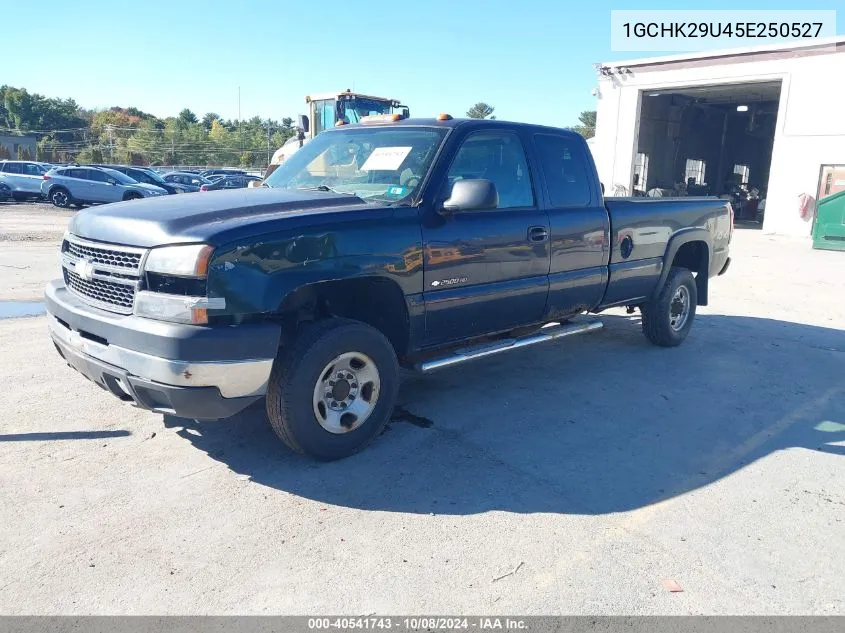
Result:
pixel 85 269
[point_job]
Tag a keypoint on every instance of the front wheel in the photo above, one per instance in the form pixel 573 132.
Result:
pixel 333 389
pixel 668 317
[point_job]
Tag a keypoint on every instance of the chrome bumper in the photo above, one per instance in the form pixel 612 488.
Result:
pixel 234 379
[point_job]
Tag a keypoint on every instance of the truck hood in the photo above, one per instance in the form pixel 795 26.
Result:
pixel 213 217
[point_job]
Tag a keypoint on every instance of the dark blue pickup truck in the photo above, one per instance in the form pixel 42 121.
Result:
pixel 414 243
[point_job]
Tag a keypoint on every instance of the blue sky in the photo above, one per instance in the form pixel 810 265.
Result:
pixel 532 60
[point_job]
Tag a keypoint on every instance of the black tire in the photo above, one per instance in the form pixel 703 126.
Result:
pixel 661 325
pixel 132 196
pixel 296 372
pixel 60 197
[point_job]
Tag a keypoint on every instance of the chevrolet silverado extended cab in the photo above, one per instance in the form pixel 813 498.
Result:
pixel 393 242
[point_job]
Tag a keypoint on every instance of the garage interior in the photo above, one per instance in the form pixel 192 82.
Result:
pixel 708 141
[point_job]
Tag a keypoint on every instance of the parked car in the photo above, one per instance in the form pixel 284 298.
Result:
pixel 23 177
pixel 439 242
pixel 188 180
pixel 5 191
pixel 149 177
pixel 221 172
pixel 229 182
pixel 79 186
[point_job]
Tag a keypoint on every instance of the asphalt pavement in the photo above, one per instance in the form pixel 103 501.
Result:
pixel 595 475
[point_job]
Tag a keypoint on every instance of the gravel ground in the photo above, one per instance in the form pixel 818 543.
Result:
pixel 30 234
pixel 577 477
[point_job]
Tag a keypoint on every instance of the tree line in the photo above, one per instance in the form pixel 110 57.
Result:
pixel 67 132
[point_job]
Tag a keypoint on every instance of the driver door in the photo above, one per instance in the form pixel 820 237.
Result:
pixel 486 271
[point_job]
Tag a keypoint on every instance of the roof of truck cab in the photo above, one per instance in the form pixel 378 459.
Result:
pixel 454 123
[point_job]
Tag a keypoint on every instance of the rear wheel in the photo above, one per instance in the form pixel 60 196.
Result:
pixel 333 389
pixel 60 197
pixel 667 319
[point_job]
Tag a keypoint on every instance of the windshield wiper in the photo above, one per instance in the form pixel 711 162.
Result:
pixel 326 188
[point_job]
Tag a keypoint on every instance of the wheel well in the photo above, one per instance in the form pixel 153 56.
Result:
pixel 376 301
pixel 131 195
pixel 696 257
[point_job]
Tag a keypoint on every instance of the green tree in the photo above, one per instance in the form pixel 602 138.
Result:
pixel 209 119
pixel 17 103
pixel 186 118
pixel 587 125
pixel 481 110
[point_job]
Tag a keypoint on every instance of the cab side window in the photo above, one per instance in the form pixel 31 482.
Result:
pixel 565 169
pixel 98 176
pixel 500 158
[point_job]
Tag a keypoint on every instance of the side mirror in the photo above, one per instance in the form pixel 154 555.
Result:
pixel 111 181
pixel 472 195
pixel 602 188
pixel 406 113
pixel 303 123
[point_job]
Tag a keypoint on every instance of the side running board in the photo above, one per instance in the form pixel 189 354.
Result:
pixel 546 333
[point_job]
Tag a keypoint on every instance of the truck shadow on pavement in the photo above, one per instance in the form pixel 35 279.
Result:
pixel 52 436
pixel 591 425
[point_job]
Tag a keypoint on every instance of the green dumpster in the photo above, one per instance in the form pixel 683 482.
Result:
pixel 829 225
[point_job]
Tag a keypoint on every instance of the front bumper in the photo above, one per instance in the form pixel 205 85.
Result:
pixel 189 371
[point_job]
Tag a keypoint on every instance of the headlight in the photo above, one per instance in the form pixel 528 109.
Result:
pixel 183 261
pixel 176 308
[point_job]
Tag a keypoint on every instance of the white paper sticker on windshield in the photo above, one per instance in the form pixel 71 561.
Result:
pixel 385 158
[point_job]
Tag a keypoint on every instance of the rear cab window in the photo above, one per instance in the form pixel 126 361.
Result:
pixel 564 169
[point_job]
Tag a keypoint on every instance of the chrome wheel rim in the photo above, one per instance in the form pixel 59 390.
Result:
pixel 679 308
pixel 346 392
pixel 60 198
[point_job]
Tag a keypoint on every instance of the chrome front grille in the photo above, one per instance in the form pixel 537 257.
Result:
pixel 103 275
pixel 106 256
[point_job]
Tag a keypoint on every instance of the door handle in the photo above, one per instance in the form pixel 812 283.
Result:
pixel 538 233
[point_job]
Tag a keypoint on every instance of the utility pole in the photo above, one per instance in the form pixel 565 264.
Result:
pixel 110 130
pixel 268 142
pixel 240 131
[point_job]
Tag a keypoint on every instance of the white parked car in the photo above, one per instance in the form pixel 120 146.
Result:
pixel 23 177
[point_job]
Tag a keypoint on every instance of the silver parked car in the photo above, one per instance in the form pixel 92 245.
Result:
pixel 23 177
pixel 65 186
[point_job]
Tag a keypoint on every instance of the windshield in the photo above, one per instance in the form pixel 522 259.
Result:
pixel 379 164
pixel 120 177
pixel 154 175
pixel 353 109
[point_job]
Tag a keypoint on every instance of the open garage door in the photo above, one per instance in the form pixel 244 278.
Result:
pixel 713 140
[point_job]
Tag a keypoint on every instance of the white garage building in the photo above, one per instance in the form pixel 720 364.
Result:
pixel 769 117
